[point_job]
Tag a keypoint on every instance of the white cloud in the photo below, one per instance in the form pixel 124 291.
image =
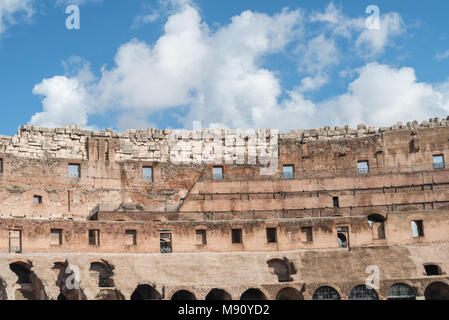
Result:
pixel 13 10
pixel 442 56
pixel 219 77
pixel 369 42
pixel 144 19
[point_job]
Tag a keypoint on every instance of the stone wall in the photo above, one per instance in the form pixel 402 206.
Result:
pixel 71 142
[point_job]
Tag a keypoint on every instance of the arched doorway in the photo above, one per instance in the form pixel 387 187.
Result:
pixel 361 292
pixel 326 293
pixel 145 292
pixel 437 291
pixel 31 287
pixel 103 272
pixel 401 291
pixel 253 294
pixel 289 293
pixel 183 295
pixel 218 294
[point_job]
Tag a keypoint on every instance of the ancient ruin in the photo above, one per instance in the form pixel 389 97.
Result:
pixel 183 215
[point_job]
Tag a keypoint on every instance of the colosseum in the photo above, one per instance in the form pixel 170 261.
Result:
pixel 225 214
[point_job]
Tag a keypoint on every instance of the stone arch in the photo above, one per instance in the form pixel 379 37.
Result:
pixel 103 271
pixel 66 281
pixel 362 292
pixel 28 285
pixel 183 295
pixel 401 291
pixel 218 294
pixel 289 293
pixel 326 292
pixel 253 294
pixel 437 290
pixel 283 268
pixel 145 292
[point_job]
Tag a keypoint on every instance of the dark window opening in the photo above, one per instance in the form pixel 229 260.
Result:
pixel 94 237
pixel 432 270
pixel 37 199
pixel 201 237
pixel 438 162
pixel 343 237
pixel 131 237
pixel 401 291
pixel 377 224
pixel 236 235
pixel 217 173
pixel 271 235
pixel 307 232
pixel 336 203
pixel 15 241
pixel 417 229
pixel 1 165
pixel 165 242
pixel 104 273
pixel 56 236
pixel 363 167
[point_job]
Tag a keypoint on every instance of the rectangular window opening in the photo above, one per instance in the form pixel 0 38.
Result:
pixel 74 170
pixel 94 237
pixel 217 173
pixel 288 171
pixel 438 161
pixel 15 241
pixel 56 236
pixel 363 167
pixel 271 235
pixel 131 237
pixel 37 199
pixel 307 231
pixel 147 173
pixel 343 237
pixel 417 228
pixel 336 202
pixel 236 235
pixel 165 241
pixel 201 237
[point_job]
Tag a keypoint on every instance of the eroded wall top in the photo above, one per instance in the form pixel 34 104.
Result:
pixel 71 142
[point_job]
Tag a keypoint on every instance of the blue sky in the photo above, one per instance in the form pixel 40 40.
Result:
pixel 255 64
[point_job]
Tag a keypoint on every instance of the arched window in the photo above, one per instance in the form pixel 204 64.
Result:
pixel 326 293
pixel 104 272
pixel 289 294
pixel 218 294
pixel 253 294
pixel 145 292
pixel 437 291
pixel 401 291
pixel 363 293
pixel 183 295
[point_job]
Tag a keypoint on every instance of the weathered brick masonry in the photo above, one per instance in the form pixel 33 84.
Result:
pixel 117 216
